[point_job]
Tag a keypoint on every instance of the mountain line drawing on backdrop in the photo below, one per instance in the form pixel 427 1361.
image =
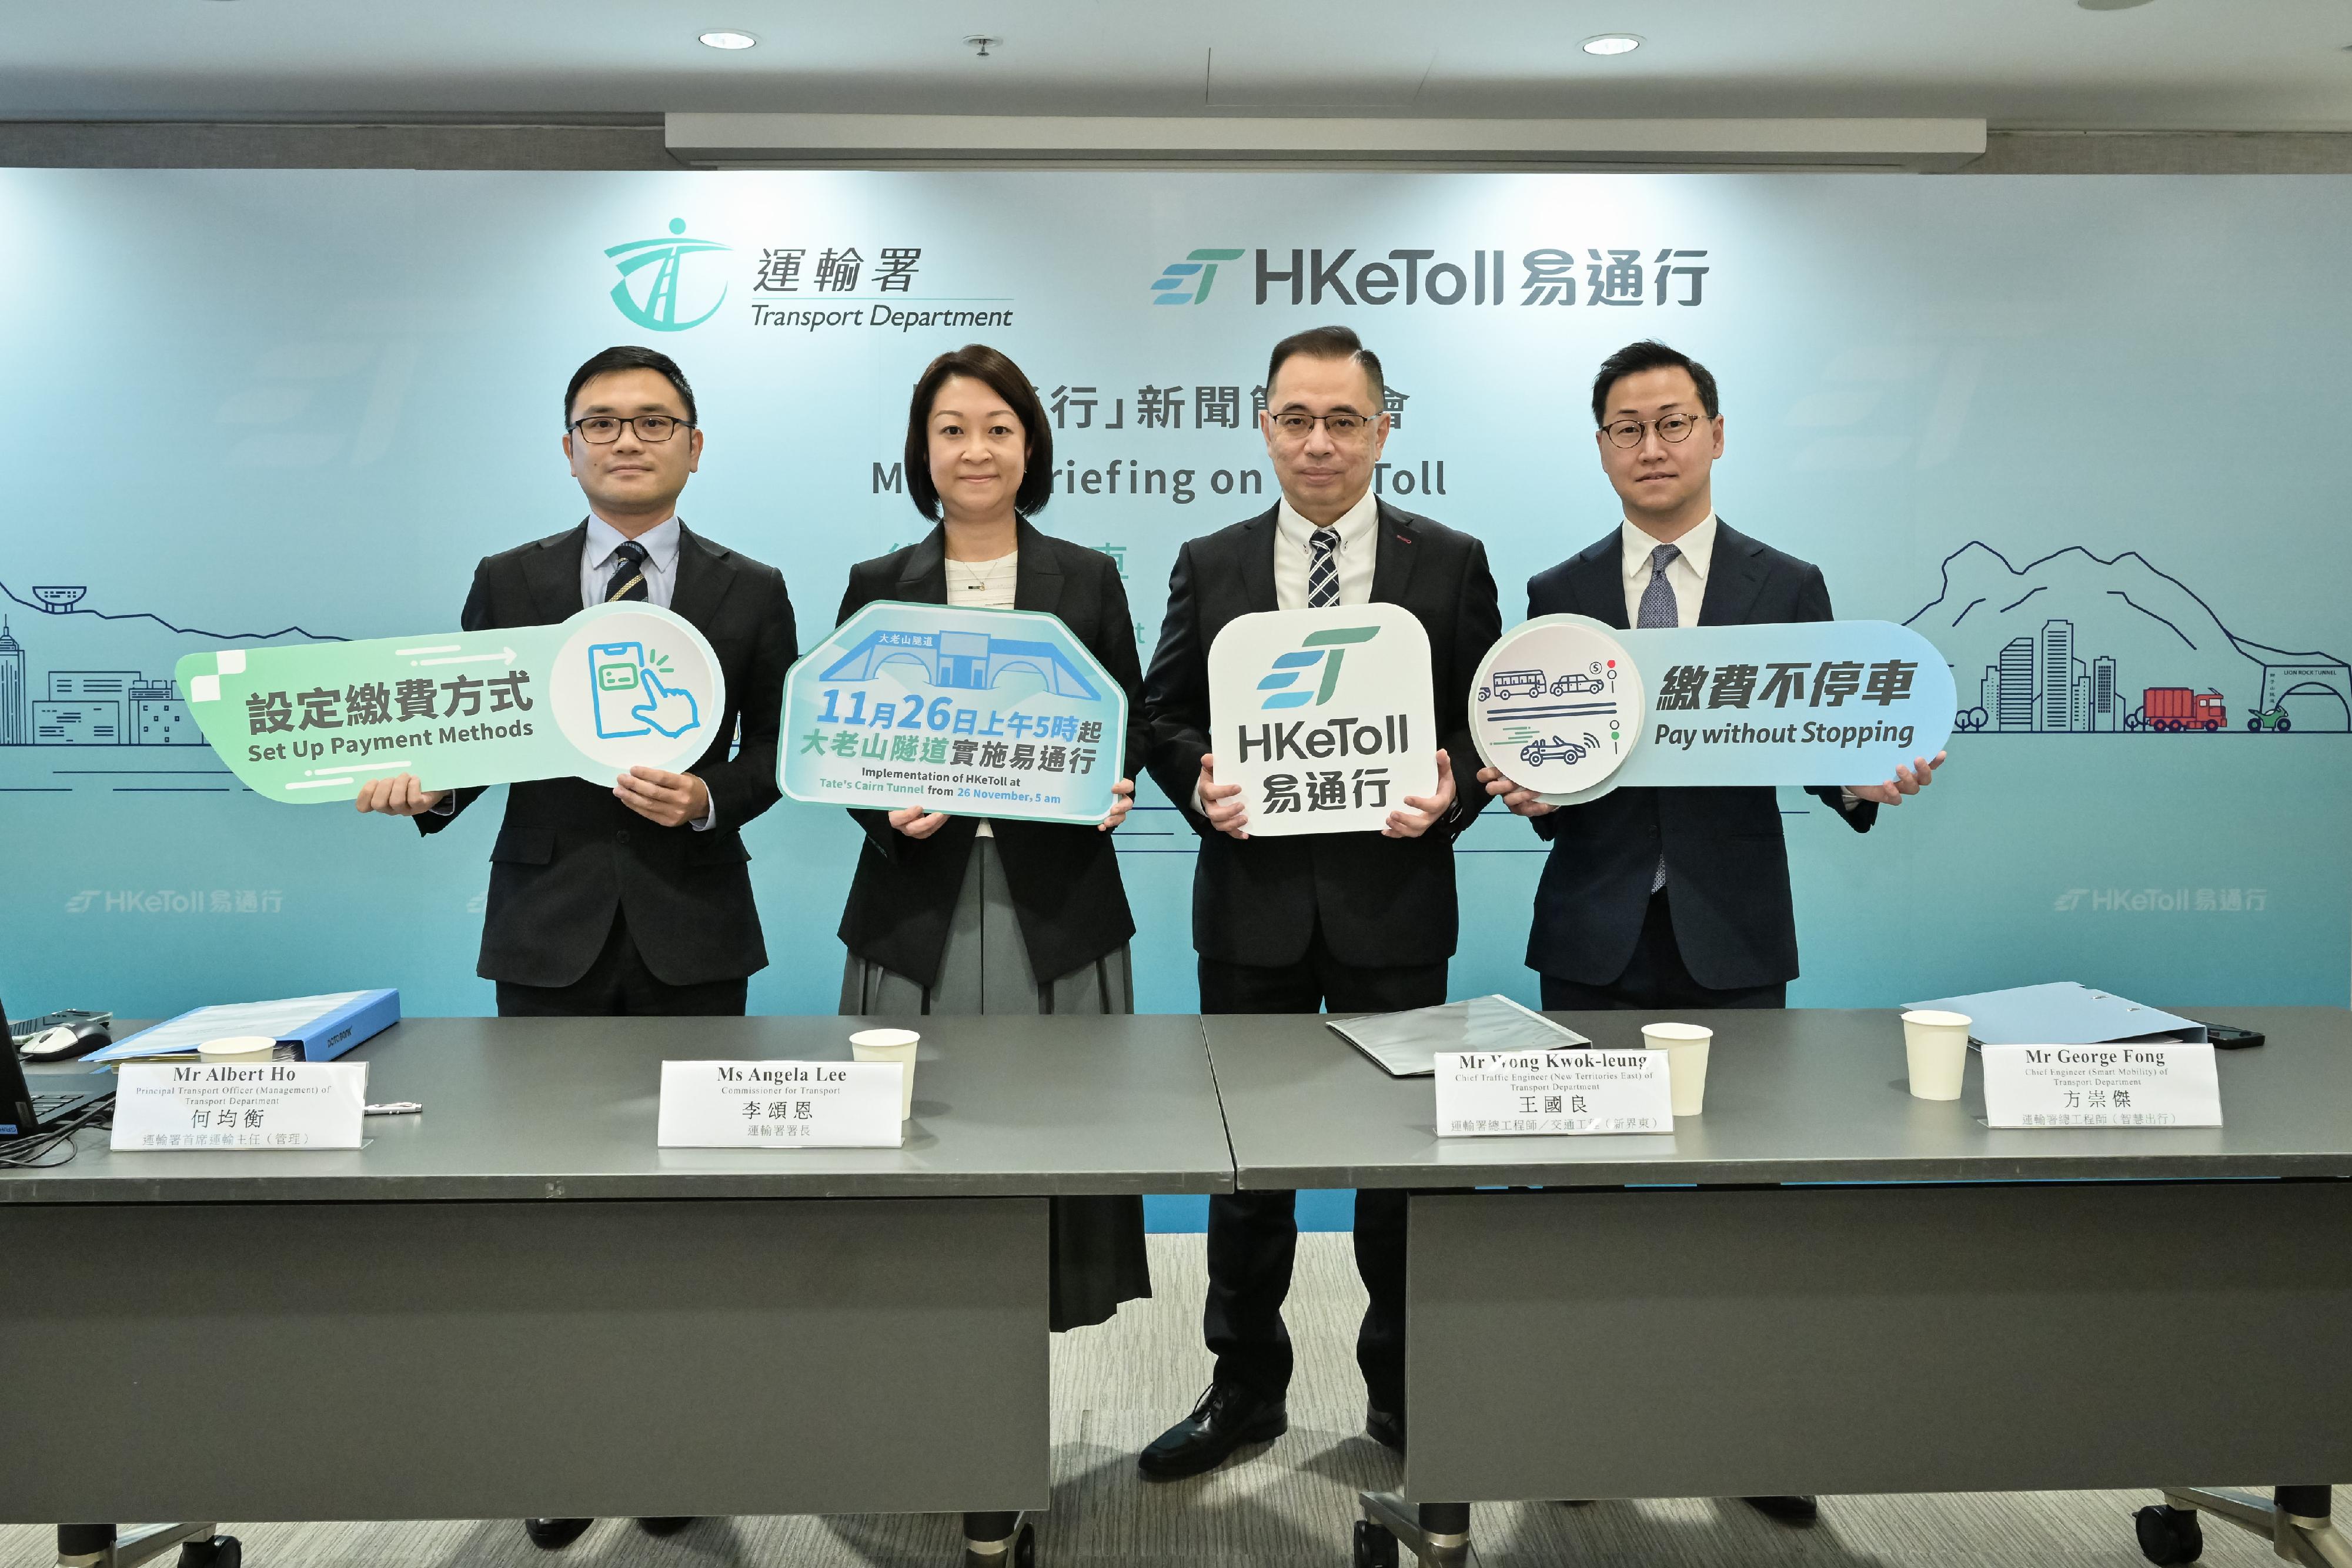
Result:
pixel 95 688
pixel 2080 643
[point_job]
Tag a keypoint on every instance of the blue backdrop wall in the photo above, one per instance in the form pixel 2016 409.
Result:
pixel 2073 429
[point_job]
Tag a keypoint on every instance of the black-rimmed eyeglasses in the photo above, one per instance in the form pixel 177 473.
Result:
pixel 604 429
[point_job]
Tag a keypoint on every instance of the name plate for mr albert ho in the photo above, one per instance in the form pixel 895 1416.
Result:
pixel 163 1106
pixel 2120 1085
pixel 780 1106
pixel 1548 1093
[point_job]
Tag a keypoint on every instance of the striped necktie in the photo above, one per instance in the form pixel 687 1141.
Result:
pixel 1323 569
pixel 628 579
pixel 1659 609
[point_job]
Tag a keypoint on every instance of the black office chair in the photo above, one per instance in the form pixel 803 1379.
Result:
pixel 2296 1524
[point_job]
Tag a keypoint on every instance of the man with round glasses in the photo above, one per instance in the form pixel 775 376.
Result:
pixel 1668 900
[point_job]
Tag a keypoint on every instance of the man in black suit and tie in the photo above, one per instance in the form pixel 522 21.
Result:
pixel 636 899
pixel 1359 922
pixel 1669 900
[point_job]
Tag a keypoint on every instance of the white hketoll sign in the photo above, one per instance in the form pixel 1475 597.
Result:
pixel 1324 717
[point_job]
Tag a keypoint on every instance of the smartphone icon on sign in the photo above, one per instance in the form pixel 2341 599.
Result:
pixel 613 668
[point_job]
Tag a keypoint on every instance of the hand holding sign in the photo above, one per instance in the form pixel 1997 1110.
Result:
pixel 1907 780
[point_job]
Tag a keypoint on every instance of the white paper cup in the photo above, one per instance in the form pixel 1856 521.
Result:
pixel 239 1048
pixel 891 1045
pixel 1937 1046
pixel 1686 1046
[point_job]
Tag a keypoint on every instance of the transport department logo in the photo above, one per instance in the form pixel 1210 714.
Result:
pixel 653 304
pixel 1187 282
pixel 1325 648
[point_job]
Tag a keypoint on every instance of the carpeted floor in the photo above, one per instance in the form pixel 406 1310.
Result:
pixel 1116 1387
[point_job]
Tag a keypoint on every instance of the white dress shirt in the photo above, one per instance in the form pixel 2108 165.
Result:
pixel 984 585
pixel 1686 574
pixel 1293 553
pixel 596 561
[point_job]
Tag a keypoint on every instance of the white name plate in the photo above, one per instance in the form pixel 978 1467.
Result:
pixel 163 1106
pixel 780 1106
pixel 2101 1086
pixel 1548 1093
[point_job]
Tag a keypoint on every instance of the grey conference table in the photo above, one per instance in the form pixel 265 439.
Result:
pixel 514 1304
pixel 1824 1285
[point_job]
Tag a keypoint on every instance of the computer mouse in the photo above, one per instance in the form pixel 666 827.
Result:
pixel 67 1040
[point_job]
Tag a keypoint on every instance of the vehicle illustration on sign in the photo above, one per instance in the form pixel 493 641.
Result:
pixel 1507 684
pixel 1536 753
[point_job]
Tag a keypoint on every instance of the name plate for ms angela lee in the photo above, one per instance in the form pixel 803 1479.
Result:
pixel 2119 1085
pixel 181 1105
pixel 780 1106
pixel 1548 1093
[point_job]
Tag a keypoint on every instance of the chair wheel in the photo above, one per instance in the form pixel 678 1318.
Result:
pixel 220 1551
pixel 1375 1547
pixel 2169 1534
pixel 1025 1547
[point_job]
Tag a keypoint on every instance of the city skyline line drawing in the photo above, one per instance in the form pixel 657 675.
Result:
pixel 2076 642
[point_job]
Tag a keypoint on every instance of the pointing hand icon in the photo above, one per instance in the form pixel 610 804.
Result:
pixel 666 708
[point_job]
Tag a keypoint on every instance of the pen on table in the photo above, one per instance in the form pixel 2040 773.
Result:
pixel 396 1108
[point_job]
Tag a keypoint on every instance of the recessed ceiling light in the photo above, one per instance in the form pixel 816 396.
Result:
pixel 729 40
pixel 1612 43
pixel 2109 5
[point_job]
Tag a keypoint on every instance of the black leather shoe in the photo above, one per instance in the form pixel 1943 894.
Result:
pixel 1385 1430
pixel 664 1526
pixel 555 1534
pixel 1227 1416
pixel 1787 1510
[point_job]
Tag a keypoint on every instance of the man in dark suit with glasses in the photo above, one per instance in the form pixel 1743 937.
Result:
pixel 1671 900
pixel 634 899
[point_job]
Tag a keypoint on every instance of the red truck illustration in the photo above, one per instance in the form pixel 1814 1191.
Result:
pixel 2180 708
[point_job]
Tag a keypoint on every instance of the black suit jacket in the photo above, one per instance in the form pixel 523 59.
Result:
pixel 569 853
pixel 1380 901
pixel 1064 879
pixel 1726 865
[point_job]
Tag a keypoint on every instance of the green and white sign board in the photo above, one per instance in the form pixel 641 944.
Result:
pixel 1324 717
pixel 983 713
pixel 1573 708
pixel 615 686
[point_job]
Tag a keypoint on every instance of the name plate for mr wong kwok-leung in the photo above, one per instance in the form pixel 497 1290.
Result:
pixel 983 713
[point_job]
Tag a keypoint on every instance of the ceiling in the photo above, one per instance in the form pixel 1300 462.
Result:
pixel 2163 64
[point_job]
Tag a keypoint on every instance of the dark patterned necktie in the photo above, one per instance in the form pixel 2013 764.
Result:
pixel 1659 609
pixel 628 579
pixel 1323 569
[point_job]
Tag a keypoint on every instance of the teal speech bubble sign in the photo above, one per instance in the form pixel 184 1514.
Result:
pixel 1573 708
pixel 981 713
pixel 615 686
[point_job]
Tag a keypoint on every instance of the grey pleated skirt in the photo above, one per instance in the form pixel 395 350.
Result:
pixel 1098 1258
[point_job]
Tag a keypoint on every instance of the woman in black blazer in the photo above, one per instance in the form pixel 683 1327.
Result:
pixel 959 915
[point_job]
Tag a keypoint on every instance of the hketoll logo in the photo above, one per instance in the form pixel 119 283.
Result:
pixel 656 307
pixel 1325 648
pixel 1187 282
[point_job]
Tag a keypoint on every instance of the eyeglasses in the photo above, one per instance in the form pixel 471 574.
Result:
pixel 1340 426
pixel 1671 427
pixel 604 429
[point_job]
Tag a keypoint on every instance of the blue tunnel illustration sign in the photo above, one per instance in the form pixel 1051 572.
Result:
pixel 986 713
pixel 971 660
